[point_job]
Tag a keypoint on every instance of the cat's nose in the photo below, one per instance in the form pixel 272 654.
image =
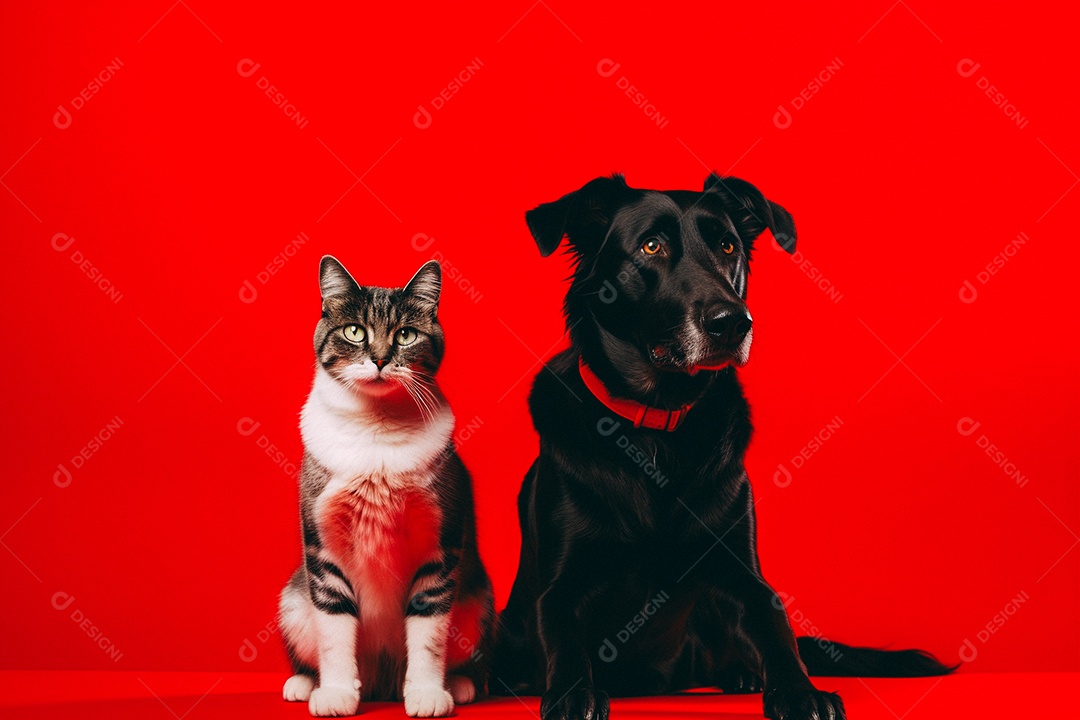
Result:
pixel 381 362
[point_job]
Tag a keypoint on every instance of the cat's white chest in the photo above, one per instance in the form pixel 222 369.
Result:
pixel 351 440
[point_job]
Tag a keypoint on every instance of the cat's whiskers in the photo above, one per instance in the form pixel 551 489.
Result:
pixel 416 399
pixel 427 412
pixel 424 378
pixel 428 391
pixel 426 385
pixel 430 398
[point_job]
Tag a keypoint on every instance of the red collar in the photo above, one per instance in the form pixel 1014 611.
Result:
pixel 641 415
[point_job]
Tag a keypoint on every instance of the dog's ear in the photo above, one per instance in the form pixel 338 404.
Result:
pixel 583 215
pixel 752 212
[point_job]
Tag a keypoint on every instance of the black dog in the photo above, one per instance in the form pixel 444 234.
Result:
pixel 639 570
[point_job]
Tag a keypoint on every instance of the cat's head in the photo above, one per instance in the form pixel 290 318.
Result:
pixel 374 340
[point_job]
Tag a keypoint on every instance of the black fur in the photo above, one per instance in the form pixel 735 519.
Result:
pixel 639 570
pixel 840 660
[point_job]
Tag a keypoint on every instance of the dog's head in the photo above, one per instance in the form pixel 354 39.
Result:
pixel 659 285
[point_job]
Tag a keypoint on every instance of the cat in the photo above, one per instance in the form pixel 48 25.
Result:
pixel 391 601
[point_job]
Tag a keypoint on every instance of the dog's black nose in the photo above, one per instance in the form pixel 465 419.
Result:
pixel 728 324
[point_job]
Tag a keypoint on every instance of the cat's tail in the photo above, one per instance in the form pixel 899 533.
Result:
pixel 826 658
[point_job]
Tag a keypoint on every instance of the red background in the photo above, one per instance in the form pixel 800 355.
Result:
pixel 180 181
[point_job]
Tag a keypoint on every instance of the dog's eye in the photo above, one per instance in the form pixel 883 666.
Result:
pixel 727 246
pixel 652 246
pixel 353 333
pixel 406 336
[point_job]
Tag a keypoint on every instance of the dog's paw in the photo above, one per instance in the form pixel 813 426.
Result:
pixel 334 701
pixel 462 689
pixel 581 703
pixel 803 704
pixel 427 701
pixel 298 688
pixel 738 681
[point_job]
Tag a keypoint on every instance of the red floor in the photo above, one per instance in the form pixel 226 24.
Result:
pixel 207 696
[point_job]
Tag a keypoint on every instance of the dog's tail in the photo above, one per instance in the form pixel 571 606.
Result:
pixel 826 658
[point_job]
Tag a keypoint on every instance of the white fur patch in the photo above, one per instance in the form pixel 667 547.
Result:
pixel 298 688
pixel 337 651
pixel 427 701
pixel 425 672
pixel 345 433
pixel 334 701
pixel 298 625
pixel 425 644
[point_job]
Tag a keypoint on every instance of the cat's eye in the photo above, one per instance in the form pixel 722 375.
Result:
pixel 406 336
pixel 652 246
pixel 353 333
pixel 727 246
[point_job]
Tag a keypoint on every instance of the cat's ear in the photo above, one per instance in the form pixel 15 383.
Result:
pixel 426 285
pixel 334 279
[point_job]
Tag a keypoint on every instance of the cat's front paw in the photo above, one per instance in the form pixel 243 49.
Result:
pixel 462 689
pixel 334 701
pixel 298 688
pixel 427 701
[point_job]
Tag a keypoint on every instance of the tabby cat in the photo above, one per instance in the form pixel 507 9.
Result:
pixel 391 601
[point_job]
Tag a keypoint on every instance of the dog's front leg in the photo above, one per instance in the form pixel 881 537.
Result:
pixel 789 694
pixel 570 694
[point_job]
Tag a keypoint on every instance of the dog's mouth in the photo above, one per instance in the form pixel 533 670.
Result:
pixel 667 358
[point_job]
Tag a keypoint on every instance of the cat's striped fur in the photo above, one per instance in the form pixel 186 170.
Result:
pixel 391 601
